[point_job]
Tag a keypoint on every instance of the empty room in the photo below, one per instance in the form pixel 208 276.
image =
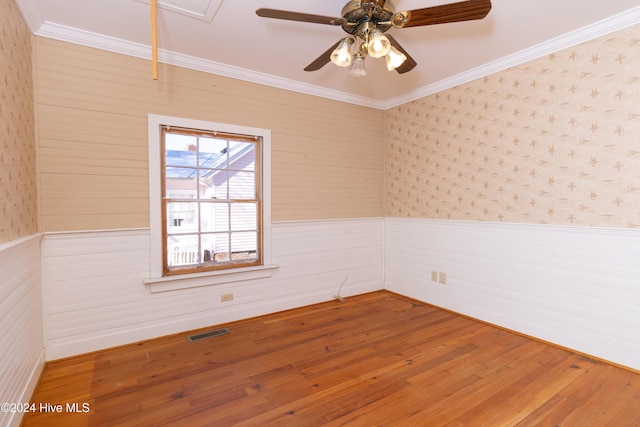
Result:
pixel 335 213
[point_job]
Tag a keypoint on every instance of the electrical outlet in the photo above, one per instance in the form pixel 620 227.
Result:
pixel 442 278
pixel 226 297
pixel 434 276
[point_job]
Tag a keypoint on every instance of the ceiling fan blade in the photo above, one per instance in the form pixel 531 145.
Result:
pixel 454 12
pixel 407 65
pixel 300 17
pixel 323 59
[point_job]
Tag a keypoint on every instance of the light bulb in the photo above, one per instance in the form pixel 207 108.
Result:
pixel 343 59
pixel 394 58
pixel 341 56
pixel 378 45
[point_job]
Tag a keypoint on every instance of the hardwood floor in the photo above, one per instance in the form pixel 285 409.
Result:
pixel 375 360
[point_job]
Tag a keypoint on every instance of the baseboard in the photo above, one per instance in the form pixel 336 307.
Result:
pixel 93 343
pixel 29 388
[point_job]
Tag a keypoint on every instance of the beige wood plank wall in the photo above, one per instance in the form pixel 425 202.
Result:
pixel 92 108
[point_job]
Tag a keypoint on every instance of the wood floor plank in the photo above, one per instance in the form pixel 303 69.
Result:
pixel 376 360
pixel 615 393
pixel 628 413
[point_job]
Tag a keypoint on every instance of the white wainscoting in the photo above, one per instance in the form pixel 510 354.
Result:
pixel 95 296
pixel 578 287
pixel 21 326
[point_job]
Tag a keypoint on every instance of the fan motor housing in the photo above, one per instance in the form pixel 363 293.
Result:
pixel 356 12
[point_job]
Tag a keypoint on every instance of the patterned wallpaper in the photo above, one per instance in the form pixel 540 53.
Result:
pixel 18 212
pixel 552 141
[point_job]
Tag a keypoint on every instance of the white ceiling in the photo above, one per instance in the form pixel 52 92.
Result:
pixel 228 38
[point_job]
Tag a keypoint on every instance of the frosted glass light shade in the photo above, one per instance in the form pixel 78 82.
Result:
pixel 357 67
pixel 394 58
pixel 378 45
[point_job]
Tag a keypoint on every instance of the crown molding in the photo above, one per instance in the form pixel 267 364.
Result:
pixel 590 32
pixel 98 41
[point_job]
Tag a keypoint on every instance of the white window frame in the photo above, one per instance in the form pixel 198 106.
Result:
pixel 159 283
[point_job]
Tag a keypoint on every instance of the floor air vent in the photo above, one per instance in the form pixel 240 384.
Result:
pixel 209 334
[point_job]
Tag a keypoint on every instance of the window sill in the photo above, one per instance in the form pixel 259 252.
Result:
pixel 196 280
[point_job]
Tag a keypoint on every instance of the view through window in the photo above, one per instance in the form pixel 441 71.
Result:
pixel 210 200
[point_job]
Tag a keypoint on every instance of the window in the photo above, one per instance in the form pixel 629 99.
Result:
pixel 209 198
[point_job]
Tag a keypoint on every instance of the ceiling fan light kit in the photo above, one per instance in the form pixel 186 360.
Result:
pixel 368 40
pixel 367 20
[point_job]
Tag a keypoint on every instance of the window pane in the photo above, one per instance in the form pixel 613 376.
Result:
pixel 218 246
pixel 182 250
pixel 214 217
pixel 180 150
pixel 182 217
pixel 206 190
pixel 244 246
pixel 220 185
pixel 242 185
pixel 242 155
pixel 213 153
pixel 244 216
pixel 208 247
pixel 181 183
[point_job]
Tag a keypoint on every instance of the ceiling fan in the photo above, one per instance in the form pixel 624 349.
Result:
pixel 366 20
